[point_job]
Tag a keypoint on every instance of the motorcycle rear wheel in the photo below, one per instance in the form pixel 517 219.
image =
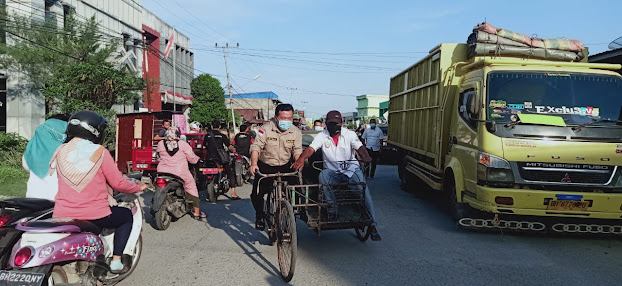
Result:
pixel 57 276
pixel 211 193
pixel 162 218
pixel 239 177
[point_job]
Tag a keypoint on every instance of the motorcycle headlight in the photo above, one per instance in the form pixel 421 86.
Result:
pixel 491 168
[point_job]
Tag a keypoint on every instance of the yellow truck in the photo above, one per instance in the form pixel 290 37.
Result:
pixel 512 139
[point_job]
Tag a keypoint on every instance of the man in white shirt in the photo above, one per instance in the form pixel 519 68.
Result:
pixel 373 137
pixel 341 166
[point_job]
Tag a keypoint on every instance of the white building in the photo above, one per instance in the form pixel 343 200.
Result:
pixel 22 106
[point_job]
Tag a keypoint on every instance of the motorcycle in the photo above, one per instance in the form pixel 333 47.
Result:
pixel 241 166
pixel 61 251
pixel 170 200
pixel 14 211
pixel 215 179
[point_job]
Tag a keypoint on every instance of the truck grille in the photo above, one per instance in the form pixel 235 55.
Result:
pixel 563 173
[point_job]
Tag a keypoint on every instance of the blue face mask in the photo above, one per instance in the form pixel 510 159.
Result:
pixel 318 128
pixel 372 125
pixel 284 125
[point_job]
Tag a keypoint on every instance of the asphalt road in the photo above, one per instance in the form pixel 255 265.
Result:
pixel 421 245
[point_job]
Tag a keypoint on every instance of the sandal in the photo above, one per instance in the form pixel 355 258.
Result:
pixel 375 236
pixel 260 224
pixel 199 217
pixel 235 198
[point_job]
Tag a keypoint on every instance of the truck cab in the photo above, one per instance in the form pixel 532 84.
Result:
pixel 539 138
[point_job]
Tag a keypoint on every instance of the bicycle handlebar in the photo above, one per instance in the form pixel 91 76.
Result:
pixel 291 174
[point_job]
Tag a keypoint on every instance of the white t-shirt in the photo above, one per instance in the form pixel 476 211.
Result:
pixel 372 137
pixel 39 188
pixel 344 151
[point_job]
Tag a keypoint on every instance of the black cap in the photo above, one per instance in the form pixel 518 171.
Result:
pixel 334 116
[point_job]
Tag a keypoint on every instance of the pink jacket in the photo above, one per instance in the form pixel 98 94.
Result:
pixel 92 201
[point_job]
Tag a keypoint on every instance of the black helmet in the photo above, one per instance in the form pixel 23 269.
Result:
pixel 87 125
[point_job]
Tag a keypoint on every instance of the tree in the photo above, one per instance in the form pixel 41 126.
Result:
pixel 70 65
pixel 209 100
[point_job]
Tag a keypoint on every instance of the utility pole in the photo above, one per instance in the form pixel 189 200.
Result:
pixel 174 73
pixel 291 94
pixel 224 54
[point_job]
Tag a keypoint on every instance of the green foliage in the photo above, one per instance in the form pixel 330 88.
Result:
pixel 209 99
pixel 12 142
pixel 12 146
pixel 13 176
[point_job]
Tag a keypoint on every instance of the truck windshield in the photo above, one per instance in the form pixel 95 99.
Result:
pixel 577 98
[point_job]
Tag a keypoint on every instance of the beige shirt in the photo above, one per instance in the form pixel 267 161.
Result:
pixel 276 147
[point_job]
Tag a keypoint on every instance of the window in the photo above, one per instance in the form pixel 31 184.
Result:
pixel 467 107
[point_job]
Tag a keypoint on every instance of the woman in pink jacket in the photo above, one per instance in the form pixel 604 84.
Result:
pixel 174 157
pixel 85 169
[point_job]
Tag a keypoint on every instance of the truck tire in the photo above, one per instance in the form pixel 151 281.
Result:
pixel 457 210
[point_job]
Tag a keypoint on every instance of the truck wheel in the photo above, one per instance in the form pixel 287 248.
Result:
pixel 456 209
pixel 211 192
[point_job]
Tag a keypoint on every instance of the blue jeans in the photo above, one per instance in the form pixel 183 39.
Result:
pixel 328 176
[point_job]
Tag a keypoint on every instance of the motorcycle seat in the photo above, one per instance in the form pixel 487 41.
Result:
pixel 170 175
pixel 28 203
pixel 55 225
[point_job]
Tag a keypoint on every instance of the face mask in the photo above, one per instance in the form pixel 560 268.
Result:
pixel 318 128
pixel 284 125
pixel 333 129
pixel 372 125
pixel 296 124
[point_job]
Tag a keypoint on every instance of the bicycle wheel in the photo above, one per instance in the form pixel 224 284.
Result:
pixel 287 242
pixel 269 218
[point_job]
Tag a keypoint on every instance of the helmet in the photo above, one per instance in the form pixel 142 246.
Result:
pixel 87 125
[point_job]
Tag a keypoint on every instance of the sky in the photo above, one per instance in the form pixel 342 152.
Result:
pixel 320 54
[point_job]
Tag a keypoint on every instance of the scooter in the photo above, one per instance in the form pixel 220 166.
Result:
pixel 14 211
pixel 241 166
pixel 68 251
pixel 170 200
pixel 215 179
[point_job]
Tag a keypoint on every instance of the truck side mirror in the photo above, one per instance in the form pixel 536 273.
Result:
pixel 474 105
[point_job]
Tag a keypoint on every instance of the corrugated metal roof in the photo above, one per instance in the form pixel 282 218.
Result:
pixel 604 55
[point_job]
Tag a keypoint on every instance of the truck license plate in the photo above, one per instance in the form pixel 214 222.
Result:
pixel 566 205
pixel 20 278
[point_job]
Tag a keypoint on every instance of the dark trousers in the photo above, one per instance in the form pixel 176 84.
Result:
pixel 370 172
pixel 257 196
pixel 121 220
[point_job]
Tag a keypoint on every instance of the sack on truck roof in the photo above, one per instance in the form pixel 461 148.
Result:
pixel 487 40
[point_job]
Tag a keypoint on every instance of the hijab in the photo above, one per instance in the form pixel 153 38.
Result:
pixel 171 140
pixel 77 162
pixel 48 137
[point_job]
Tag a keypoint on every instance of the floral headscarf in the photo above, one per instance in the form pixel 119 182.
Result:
pixel 171 139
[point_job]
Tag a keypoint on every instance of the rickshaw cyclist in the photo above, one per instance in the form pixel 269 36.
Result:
pixel 271 153
pixel 337 144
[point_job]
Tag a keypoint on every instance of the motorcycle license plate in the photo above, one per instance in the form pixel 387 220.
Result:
pixel 11 278
pixel 210 171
